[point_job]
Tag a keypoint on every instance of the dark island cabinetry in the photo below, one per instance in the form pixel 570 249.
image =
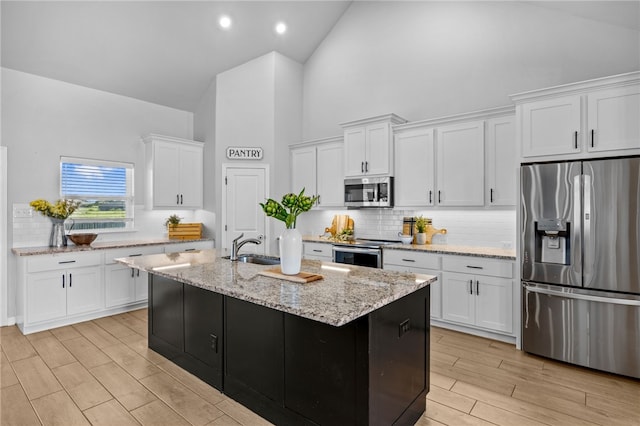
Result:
pixel 293 370
pixel 185 326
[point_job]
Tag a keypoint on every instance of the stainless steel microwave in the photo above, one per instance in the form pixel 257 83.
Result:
pixel 368 192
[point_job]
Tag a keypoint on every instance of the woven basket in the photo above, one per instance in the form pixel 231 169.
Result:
pixel 185 231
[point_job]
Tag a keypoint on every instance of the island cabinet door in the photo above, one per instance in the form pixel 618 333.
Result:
pixel 253 352
pixel 203 328
pixel 166 332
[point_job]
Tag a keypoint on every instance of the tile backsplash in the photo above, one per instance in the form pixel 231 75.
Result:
pixel 478 228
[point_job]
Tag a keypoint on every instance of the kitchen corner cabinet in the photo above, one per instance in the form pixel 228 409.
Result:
pixel 478 292
pixel 414 168
pixel 174 177
pixel 124 285
pixel 501 162
pixel 460 164
pixel 56 287
pixel 368 147
pixel 581 120
pixel 318 167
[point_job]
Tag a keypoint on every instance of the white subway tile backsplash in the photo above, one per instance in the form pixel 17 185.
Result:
pixel 480 228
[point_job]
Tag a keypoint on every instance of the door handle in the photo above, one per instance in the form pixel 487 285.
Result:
pixel 491 195
pixel 592 138
pixel 70 279
pixel 470 286
pixel 439 199
pixel 575 139
pixel 132 272
pixel 430 196
pixel 477 287
pixel 62 280
pixel 366 166
pixel 362 167
pixel 180 198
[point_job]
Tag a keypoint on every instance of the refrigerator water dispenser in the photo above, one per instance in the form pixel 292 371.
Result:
pixel 552 241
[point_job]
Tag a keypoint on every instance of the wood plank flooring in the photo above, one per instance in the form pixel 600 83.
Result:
pixel 101 372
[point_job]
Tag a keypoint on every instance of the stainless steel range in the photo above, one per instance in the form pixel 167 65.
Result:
pixel 361 252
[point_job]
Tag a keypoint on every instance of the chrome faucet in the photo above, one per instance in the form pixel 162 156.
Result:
pixel 235 245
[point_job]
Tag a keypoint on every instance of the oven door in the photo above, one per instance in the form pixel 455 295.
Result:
pixel 360 256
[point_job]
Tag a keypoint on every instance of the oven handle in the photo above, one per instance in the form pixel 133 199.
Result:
pixel 355 250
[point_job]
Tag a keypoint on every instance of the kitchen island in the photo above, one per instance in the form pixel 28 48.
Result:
pixel 352 348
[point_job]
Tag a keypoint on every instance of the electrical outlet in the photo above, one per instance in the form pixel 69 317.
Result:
pixel 404 327
pixel 19 212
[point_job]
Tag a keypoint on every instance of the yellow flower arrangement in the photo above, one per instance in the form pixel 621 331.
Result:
pixel 62 209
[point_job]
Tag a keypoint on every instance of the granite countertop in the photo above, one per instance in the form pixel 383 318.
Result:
pixel 488 252
pixel 32 251
pixel 346 292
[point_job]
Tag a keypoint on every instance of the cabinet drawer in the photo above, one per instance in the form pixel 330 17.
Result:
pixel 478 266
pixel 318 249
pixel 131 251
pixel 412 258
pixel 53 262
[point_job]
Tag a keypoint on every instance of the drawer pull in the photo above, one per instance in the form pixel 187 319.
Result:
pixel 474 267
pixel 190 249
pixel 135 255
pixel 408 260
pixel 66 261
pixel 317 251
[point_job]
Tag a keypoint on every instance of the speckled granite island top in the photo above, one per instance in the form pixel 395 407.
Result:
pixel 346 292
pixel 488 252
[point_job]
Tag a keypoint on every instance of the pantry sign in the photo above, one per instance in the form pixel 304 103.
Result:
pixel 244 153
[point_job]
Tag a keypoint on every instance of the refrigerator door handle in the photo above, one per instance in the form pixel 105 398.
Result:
pixel 588 249
pixel 576 237
pixel 578 296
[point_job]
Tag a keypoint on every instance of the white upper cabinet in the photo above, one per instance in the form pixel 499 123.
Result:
pixel 581 120
pixel 330 174
pixel 551 126
pixel 368 148
pixel 613 119
pixel 501 161
pixel 414 168
pixel 174 172
pixel 303 169
pixel 460 164
pixel 318 167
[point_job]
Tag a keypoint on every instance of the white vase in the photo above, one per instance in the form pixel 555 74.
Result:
pixel 421 238
pixel 290 251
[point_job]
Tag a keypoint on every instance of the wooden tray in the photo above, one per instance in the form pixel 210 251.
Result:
pixel 302 277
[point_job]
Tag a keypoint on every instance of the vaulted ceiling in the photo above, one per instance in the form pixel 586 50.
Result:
pixel 168 52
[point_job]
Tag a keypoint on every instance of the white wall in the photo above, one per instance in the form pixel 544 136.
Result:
pixel 258 104
pixel 430 59
pixel 43 119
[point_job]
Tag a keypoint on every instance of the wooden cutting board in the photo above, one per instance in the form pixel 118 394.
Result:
pixel 302 277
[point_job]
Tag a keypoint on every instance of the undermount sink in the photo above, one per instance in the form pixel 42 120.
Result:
pixel 258 259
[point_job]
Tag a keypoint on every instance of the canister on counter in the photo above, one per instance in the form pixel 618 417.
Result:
pixel 408 225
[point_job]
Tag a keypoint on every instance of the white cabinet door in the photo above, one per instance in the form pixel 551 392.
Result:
pixel 141 284
pixel 613 119
pixel 354 151
pixel 378 152
pixel 119 284
pixel 46 296
pixel 436 287
pixel 494 302
pixel 166 174
pixel 414 183
pixel 551 127
pixel 460 164
pixel 303 169
pixel 191 176
pixel 458 304
pixel 84 290
pixel 330 174
pixel 501 162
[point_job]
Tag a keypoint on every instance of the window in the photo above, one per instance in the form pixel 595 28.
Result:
pixel 105 190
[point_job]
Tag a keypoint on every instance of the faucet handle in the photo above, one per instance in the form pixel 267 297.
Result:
pixel 239 236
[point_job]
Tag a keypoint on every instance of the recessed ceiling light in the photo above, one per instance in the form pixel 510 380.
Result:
pixel 281 28
pixel 225 22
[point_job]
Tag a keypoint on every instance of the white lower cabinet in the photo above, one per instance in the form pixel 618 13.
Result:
pixel 318 251
pixel 125 285
pixel 483 298
pixel 418 263
pixel 59 286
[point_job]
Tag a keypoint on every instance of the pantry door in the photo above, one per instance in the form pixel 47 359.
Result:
pixel 244 188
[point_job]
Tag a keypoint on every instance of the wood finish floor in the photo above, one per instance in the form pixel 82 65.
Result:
pixel 102 373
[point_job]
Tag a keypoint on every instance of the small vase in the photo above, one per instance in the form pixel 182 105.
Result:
pixel 421 238
pixel 58 238
pixel 290 251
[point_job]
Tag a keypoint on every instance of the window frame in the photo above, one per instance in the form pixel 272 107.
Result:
pixel 122 225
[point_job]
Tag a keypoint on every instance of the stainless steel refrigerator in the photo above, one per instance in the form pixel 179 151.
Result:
pixel 581 263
